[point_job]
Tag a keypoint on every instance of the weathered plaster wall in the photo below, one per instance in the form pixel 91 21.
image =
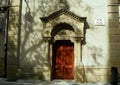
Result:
pixel 32 55
pixel 33 50
pixel 95 54
pixel 30 60
pixel 12 42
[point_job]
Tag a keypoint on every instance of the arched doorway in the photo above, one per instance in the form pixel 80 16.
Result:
pixel 61 27
pixel 63 60
pixel 62 52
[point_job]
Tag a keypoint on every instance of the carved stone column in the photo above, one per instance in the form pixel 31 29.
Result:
pixel 47 62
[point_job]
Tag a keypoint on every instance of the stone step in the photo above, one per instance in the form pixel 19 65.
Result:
pixel 39 82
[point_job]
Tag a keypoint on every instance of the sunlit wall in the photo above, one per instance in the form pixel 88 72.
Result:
pixel 29 49
pixel 94 52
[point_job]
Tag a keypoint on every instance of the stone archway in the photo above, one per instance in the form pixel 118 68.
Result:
pixel 62 51
pixel 65 32
pixel 63 25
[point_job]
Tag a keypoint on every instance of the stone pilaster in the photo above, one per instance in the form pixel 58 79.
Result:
pixel 114 32
pixel 113 14
pixel 12 52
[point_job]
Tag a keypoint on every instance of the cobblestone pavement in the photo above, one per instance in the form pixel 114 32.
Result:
pixel 39 82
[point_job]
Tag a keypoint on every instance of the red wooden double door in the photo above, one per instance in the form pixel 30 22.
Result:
pixel 63 60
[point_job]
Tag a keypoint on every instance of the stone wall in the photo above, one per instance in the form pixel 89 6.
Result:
pixel 114 32
pixel 94 54
pixel 12 50
pixel 28 48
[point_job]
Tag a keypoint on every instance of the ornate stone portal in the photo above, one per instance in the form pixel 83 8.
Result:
pixel 64 25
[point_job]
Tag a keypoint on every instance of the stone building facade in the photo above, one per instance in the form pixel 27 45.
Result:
pixel 59 39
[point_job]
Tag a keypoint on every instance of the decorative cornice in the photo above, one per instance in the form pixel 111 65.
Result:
pixel 60 12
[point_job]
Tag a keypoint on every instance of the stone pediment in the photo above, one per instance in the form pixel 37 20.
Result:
pixel 62 20
pixel 65 12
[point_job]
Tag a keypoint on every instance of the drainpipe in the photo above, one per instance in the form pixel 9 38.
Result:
pixel 19 33
pixel 6 39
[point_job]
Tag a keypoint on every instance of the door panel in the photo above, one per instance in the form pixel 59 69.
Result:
pixel 68 63
pixel 63 60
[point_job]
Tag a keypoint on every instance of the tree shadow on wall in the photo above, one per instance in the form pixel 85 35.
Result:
pixel 96 54
pixel 12 46
pixel 32 57
pixel 95 72
pixel 28 17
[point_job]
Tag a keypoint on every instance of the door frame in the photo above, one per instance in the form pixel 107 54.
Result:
pixel 78 66
pixel 57 41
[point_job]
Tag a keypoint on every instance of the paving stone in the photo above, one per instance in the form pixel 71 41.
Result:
pixel 39 82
